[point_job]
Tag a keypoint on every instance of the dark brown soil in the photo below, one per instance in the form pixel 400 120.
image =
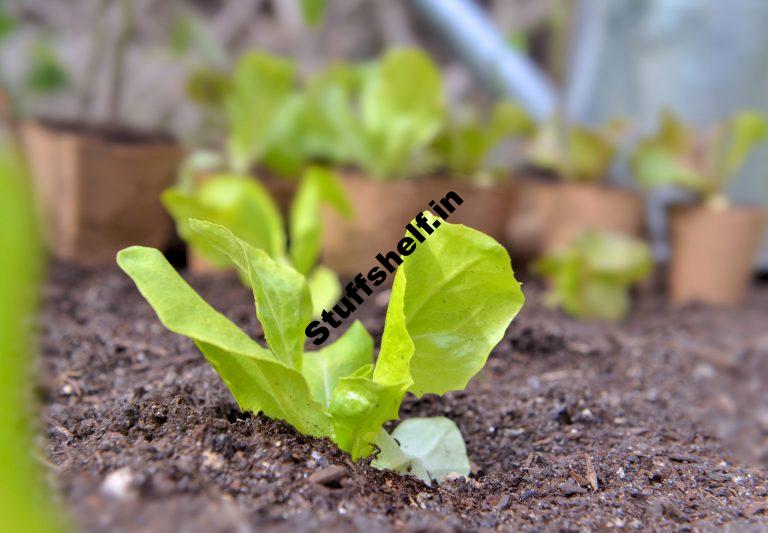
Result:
pixel 669 408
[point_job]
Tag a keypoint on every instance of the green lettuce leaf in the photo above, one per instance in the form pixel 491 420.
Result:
pixel 458 295
pixel 254 376
pixel 259 106
pixel 402 109
pixel 318 186
pixel 359 407
pixel 323 369
pixel 702 161
pixel 325 288
pixel 742 133
pixel 237 202
pixel 283 302
pixel 427 448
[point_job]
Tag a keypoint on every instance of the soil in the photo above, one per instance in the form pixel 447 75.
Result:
pixel 660 422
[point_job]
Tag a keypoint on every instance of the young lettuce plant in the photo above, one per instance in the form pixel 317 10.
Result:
pixel 451 303
pixel 590 278
pixel 384 115
pixel 703 164
pixel 575 153
pixel 464 148
pixel 245 206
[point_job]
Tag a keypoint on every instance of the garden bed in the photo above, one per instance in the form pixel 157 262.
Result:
pixel 669 407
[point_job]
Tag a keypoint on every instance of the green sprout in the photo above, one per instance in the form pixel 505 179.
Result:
pixel 591 277
pixel 245 206
pixel 451 303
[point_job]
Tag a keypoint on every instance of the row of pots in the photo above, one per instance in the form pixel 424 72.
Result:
pixel 713 250
pixel 98 194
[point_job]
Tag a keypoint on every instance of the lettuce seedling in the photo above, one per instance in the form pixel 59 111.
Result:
pixel 575 153
pixel 260 106
pixel 703 163
pixel 245 206
pixel 464 148
pixel 383 116
pixel 591 277
pixel 451 303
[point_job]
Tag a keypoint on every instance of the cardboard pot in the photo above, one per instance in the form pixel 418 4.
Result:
pixel 97 194
pixel 581 207
pixel 382 209
pixel 530 215
pixel 713 253
pixel 484 208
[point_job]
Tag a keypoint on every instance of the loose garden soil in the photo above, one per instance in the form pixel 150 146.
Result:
pixel 660 422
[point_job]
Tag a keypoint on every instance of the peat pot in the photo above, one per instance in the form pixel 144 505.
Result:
pixel 547 215
pixel 381 211
pixel 713 252
pixel 531 212
pixel 99 193
pixel 582 207
pixel 484 207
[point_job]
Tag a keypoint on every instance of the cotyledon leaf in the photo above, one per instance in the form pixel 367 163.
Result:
pixel 428 448
pixel 283 302
pixel 257 380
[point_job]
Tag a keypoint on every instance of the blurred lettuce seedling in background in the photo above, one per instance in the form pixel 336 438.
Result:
pixel 702 162
pixel 591 277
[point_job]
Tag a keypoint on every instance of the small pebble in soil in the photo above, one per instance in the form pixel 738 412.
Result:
pixel 119 484
pixel 328 476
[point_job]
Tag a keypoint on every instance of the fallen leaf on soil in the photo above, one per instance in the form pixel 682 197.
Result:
pixel 328 476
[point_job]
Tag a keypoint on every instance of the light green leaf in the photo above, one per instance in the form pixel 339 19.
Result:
pixel 509 119
pixel 458 296
pixel 590 155
pixel 330 130
pixel 283 302
pixel 313 11
pixel 256 379
pixel 427 448
pixel 239 203
pixel 45 73
pixel 397 348
pixel 359 406
pixel 319 185
pixel 742 133
pixel 258 106
pixel 324 368
pixel 402 109
pixel 656 166
pixel 324 287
